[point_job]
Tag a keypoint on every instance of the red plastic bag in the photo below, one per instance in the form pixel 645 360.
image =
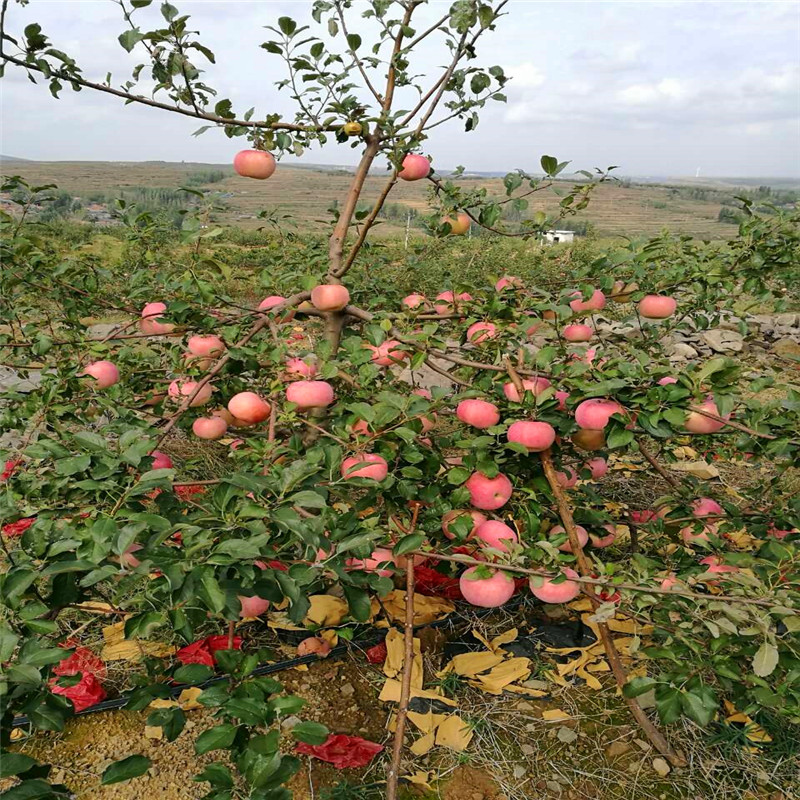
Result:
pixel 432 583
pixel 202 651
pixel 8 469
pixel 19 527
pixel 87 692
pixel 342 751
pixel 376 654
pixel 220 642
pixel 82 661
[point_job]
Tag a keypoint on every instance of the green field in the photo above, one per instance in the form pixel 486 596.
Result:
pixel 305 195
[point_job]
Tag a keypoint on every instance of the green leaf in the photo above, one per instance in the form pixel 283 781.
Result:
pixel 124 770
pixel 549 165
pixel 765 660
pixel 15 763
pixel 359 603
pixel 457 476
pixel 619 437
pixel 668 703
pixel 287 25
pixel 169 12
pixel 142 625
pixel 218 775
pixel 219 738
pixel 696 708
pixel 308 499
pixel 8 641
pixel 129 39
pixel 91 441
pixel 193 673
pixel 408 543
pixel 72 465
pixel 353 41
pixel 310 732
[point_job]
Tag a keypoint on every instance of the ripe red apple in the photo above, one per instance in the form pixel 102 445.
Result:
pixel 597 466
pixel 104 372
pixel 577 333
pixel 481 332
pixel 257 164
pixel 450 516
pixel 253 606
pixel 160 460
pixel 127 559
pixel 604 541
pixel 533 329
pixel 567 479
pixel 594 414
pixel 149 325
pixel 670 581
pixel 666 380
pixel 562 400
pixel 180 389
pixel 313 646
pixel 420 392
pixel 301 367
pixel 690 536
pixel 366 465
pixel 563 592
pixel 489 494
pixel 415 167
pixel 371 564
pixel 387 354
pixel 268 303
pixel 478 413
pixel 445 300
pixel 249 407
pixel 330 297
pixel 596 302
pixel 208 345
pixel 566 547
pixel 414 300
pixel 508 280
pixel 360 428
pixel 534 385
pixel 699 423
pixel 588 440
pixel 230 420
pixel 536 436
pixel 310 394
pixel 653 306
pixel 705 506
pixel 459 224
pixel 715 564
pixel 496 534
pixel 486 592
pixel 213 427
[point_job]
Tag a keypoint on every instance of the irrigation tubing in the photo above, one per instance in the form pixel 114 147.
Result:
pixel 280 666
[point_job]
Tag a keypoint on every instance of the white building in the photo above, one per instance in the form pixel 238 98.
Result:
pixel 558 237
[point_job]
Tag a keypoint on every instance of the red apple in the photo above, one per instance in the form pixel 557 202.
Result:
pixel 160 460
pixel 387 354
pixel 181 389
pixel 253 606
pixel 257 164
pixel 596 302
pixel 666 380
pixel 445 301
pixel 360 428
pixel 597 466
pixel 563 592
pixel 478 413
pixel 653 306
pixel 577 333
pixel 536 436
pixel 705 506
pixel 481 332
pixel 486 592
pixel 604 541
pixel 366 465
pixel 330 297
pixel 415 167
pixel 127 559
pixel 715 564
pixel 149 325
pixel 459 224
pixel 379 556
pixel 268 303
pixel 414 300
pixel 450 516
pixel 209 345
pixel 313 646
pixel 594 414
pixel 567 479
pixel 310 394
pixel 489 494
pixel 104 372
pixel 301 367
pixel 249 407
pixel 566 547
pixel 690 535
pixel 209 427
pixel 508 280
pixel 534 385
pixel 496 534
pixel 562 400
pixel 699 423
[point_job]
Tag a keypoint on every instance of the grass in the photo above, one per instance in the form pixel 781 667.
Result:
pixel 307 194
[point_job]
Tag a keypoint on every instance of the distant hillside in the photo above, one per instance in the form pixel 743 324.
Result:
pixel 3 159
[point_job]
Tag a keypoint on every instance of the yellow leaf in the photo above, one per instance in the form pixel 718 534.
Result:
pixel 427 723
pixel 153 732
pixel 330 636
pixel 395 658
pixel 118 648
pixel 525 691
pixel 590 679
pixel 390 693
pixel 503 638
pixel 326 611
pixel 420 779
pixel 581 604
pixel 187 699
pixel 555 715
pixel 426 609
pixel 454 734
pixel 503 674
pixel 159 703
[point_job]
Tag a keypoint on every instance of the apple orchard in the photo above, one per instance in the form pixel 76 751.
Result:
pixel 468 432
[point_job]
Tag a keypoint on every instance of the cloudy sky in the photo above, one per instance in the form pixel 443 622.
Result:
pixel 659 88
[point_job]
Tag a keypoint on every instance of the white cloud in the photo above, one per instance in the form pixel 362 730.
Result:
pixel 643 94
pixel 526 76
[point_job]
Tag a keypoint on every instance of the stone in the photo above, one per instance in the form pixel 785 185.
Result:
pixel 787 348
pixel 661 767
pixel 617 749
pixel 528 750
pixel 723 341
pixel 290 722
pixel 680 351
pixel 789 320
pixel 10 380
pixel 348 690
pixel 519 771
pixel 566 734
